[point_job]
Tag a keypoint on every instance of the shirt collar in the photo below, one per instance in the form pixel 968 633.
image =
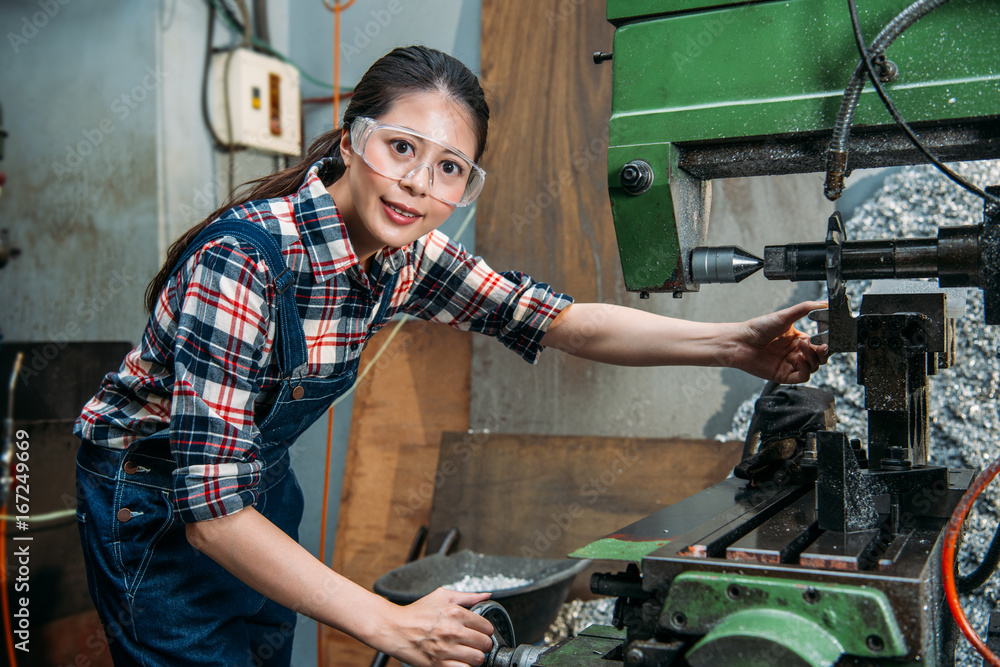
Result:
pixel 324 234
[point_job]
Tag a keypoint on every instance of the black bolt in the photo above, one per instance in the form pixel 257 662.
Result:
pixel 874 343
pixel 601 56
pixel 636 177
pixel 810 595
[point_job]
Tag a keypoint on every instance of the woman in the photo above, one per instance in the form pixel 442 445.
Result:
pixel 188 512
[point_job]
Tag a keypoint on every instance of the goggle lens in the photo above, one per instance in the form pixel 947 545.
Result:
pixel 399 153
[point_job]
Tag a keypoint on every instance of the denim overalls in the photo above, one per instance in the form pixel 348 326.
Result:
pixel 162 602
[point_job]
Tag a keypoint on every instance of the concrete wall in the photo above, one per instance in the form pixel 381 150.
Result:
pixel 81 164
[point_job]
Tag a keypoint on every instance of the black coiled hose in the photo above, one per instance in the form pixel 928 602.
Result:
pixel 836 159
pixel 970 582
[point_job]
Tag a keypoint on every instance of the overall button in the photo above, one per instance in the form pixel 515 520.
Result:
pixel 354 345
pixel 298 392
pixel 130 467
pixel 124 514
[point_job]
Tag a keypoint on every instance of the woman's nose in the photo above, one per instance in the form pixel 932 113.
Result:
pixel 417 181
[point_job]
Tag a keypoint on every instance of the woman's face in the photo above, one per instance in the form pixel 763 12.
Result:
pixel 379 211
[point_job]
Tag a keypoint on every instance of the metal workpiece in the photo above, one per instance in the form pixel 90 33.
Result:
pixel 723 264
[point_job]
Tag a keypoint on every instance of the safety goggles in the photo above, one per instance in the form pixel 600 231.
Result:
pixel 398 152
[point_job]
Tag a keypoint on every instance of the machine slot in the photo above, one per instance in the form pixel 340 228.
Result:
pixel 851 552
pixel 781 539
pixel 711 539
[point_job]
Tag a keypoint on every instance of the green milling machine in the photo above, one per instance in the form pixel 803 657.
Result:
pixel 843 567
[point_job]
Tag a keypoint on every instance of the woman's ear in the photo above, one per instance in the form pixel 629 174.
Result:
pixel 345 147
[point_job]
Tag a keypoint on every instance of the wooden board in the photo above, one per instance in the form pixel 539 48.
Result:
pixel 418 388
pixel 545 496
pixel 545 209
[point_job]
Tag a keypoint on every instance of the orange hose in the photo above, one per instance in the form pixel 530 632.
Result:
pixel 322 527
pixel 948 560
pixel 336 8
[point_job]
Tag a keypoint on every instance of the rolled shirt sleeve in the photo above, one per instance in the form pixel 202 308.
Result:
pixel 452 286
pixel 221 344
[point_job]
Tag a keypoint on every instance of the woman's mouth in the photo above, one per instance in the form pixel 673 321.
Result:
pixel 400 214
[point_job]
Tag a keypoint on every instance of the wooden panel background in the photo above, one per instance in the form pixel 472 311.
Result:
pixel 417 389
pixel 545 496
pixel 545 209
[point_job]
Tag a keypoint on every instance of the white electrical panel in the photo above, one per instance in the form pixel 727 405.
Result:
pixel 264 104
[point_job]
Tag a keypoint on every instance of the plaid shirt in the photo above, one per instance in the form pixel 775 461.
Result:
pixel 206 364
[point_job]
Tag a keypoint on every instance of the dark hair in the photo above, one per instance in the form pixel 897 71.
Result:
pixel 404 70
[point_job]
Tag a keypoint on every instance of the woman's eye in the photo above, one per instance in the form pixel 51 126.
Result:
pixel 400 146
pixel 451 168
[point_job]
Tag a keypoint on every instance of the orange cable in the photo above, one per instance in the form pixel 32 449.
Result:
pixel 322 527
pixel 336 8
pixel 948 561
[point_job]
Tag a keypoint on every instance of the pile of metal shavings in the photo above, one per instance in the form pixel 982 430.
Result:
pixel 496 582
pixel 577 615
pixel 964 399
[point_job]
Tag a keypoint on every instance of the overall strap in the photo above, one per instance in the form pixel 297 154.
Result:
pixel 291 338
pixel 390 287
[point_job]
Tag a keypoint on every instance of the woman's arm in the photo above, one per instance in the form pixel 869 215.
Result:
pixel 768 346
pixel 436 630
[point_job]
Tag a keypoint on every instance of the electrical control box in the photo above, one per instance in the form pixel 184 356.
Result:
pixel 260 97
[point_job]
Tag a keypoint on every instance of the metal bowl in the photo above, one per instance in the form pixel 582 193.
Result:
pixel 532 607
